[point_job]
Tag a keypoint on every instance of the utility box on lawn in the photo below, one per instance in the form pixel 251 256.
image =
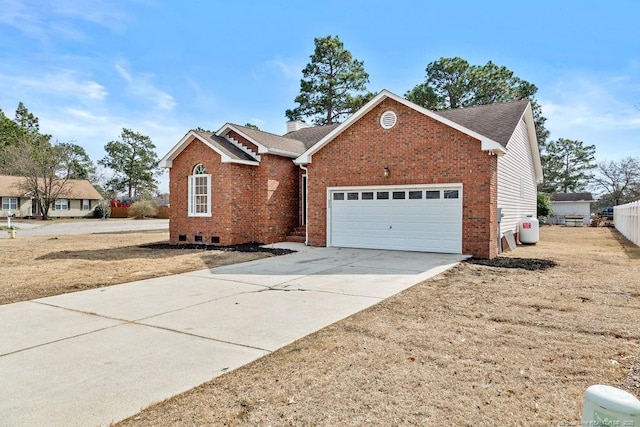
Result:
pixel 609 406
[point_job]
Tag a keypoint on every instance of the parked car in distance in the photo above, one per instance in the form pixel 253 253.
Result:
pixel 606 213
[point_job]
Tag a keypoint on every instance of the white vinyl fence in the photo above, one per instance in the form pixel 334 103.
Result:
pixel 626 218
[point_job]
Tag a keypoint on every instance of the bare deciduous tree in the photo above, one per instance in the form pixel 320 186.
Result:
pixel 620 180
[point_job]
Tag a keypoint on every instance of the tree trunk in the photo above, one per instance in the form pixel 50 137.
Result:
pixel 44 209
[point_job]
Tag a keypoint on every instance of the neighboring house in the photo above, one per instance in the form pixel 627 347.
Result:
pixel 571 205
pixel 78 199
pixel 392 176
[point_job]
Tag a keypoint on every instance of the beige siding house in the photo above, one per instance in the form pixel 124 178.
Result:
pixel 78 200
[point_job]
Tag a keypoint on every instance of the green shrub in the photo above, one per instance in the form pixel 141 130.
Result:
pixel 142 209
pixel 102 211
pixel 544 204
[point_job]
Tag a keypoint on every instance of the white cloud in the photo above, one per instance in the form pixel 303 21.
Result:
pixel 85 115
pixel 140 85
pixel 123 73
pixel 600 111
pixel 289 70
pixel 104 13
pixel 67 83
pixel 588 103
pixel 43 20
pixel 20 15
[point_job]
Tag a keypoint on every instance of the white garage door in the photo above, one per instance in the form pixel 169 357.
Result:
pixel 424 218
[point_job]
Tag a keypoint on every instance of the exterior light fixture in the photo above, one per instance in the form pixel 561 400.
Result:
pixel 386 172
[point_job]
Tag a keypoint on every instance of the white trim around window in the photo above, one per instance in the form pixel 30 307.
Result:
pixel 61 205
pixel 199 192
pixel 86 205
pixel 9 203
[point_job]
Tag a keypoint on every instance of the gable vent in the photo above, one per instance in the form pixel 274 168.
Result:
pixel 388 119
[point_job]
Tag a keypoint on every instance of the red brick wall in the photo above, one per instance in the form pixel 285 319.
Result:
pixel 277 198
pixel 417 150
pixel 248 203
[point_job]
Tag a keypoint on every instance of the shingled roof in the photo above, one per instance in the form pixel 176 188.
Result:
pixel 225 146
pixel 13 186
pixel 271 140
pixel 495 121
pixel 311 135
pixel 10 186
pixel 571 197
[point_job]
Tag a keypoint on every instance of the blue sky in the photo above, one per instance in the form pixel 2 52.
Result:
pixel 89 68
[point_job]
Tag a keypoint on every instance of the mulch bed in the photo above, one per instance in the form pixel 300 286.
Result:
pixel 530 264
pixel 244 247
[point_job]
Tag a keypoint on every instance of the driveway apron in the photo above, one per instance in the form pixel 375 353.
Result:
pixel 96 357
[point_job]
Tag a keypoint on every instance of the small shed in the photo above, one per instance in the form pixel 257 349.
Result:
pixel 571 205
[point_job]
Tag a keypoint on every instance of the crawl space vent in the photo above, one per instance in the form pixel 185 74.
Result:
pixel 388 119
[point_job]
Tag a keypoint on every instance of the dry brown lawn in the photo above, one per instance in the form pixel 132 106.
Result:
pixel 35 267
pixel 475 346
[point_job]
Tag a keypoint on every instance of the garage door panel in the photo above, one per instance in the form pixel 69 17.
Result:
pixel 414 223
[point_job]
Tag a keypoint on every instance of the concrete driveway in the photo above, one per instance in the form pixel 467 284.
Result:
pixel 98 356
pixel 28 228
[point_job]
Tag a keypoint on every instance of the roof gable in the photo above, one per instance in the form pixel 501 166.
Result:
pixel 266 142
pixel 487 143
pixel 229 153
pixel 499 122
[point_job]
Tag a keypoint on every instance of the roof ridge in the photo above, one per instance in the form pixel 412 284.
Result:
pixel 483 105
pixel 260 130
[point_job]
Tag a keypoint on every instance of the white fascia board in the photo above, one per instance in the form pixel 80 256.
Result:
pixel 240 162
pixel 282 153
pixel 229 126
pixel 533 142
pixel 487 144
pixel 167 160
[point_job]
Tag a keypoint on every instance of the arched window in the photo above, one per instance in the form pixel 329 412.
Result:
pixel 199 192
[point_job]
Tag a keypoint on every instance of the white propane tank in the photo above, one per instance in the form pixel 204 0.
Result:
pixel 529 231
pixel 609 406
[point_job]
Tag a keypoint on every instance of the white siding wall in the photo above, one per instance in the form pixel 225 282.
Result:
pixel 517 189
pixel 581 208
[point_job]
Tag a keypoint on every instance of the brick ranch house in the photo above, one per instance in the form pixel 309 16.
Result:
pixel 392 176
